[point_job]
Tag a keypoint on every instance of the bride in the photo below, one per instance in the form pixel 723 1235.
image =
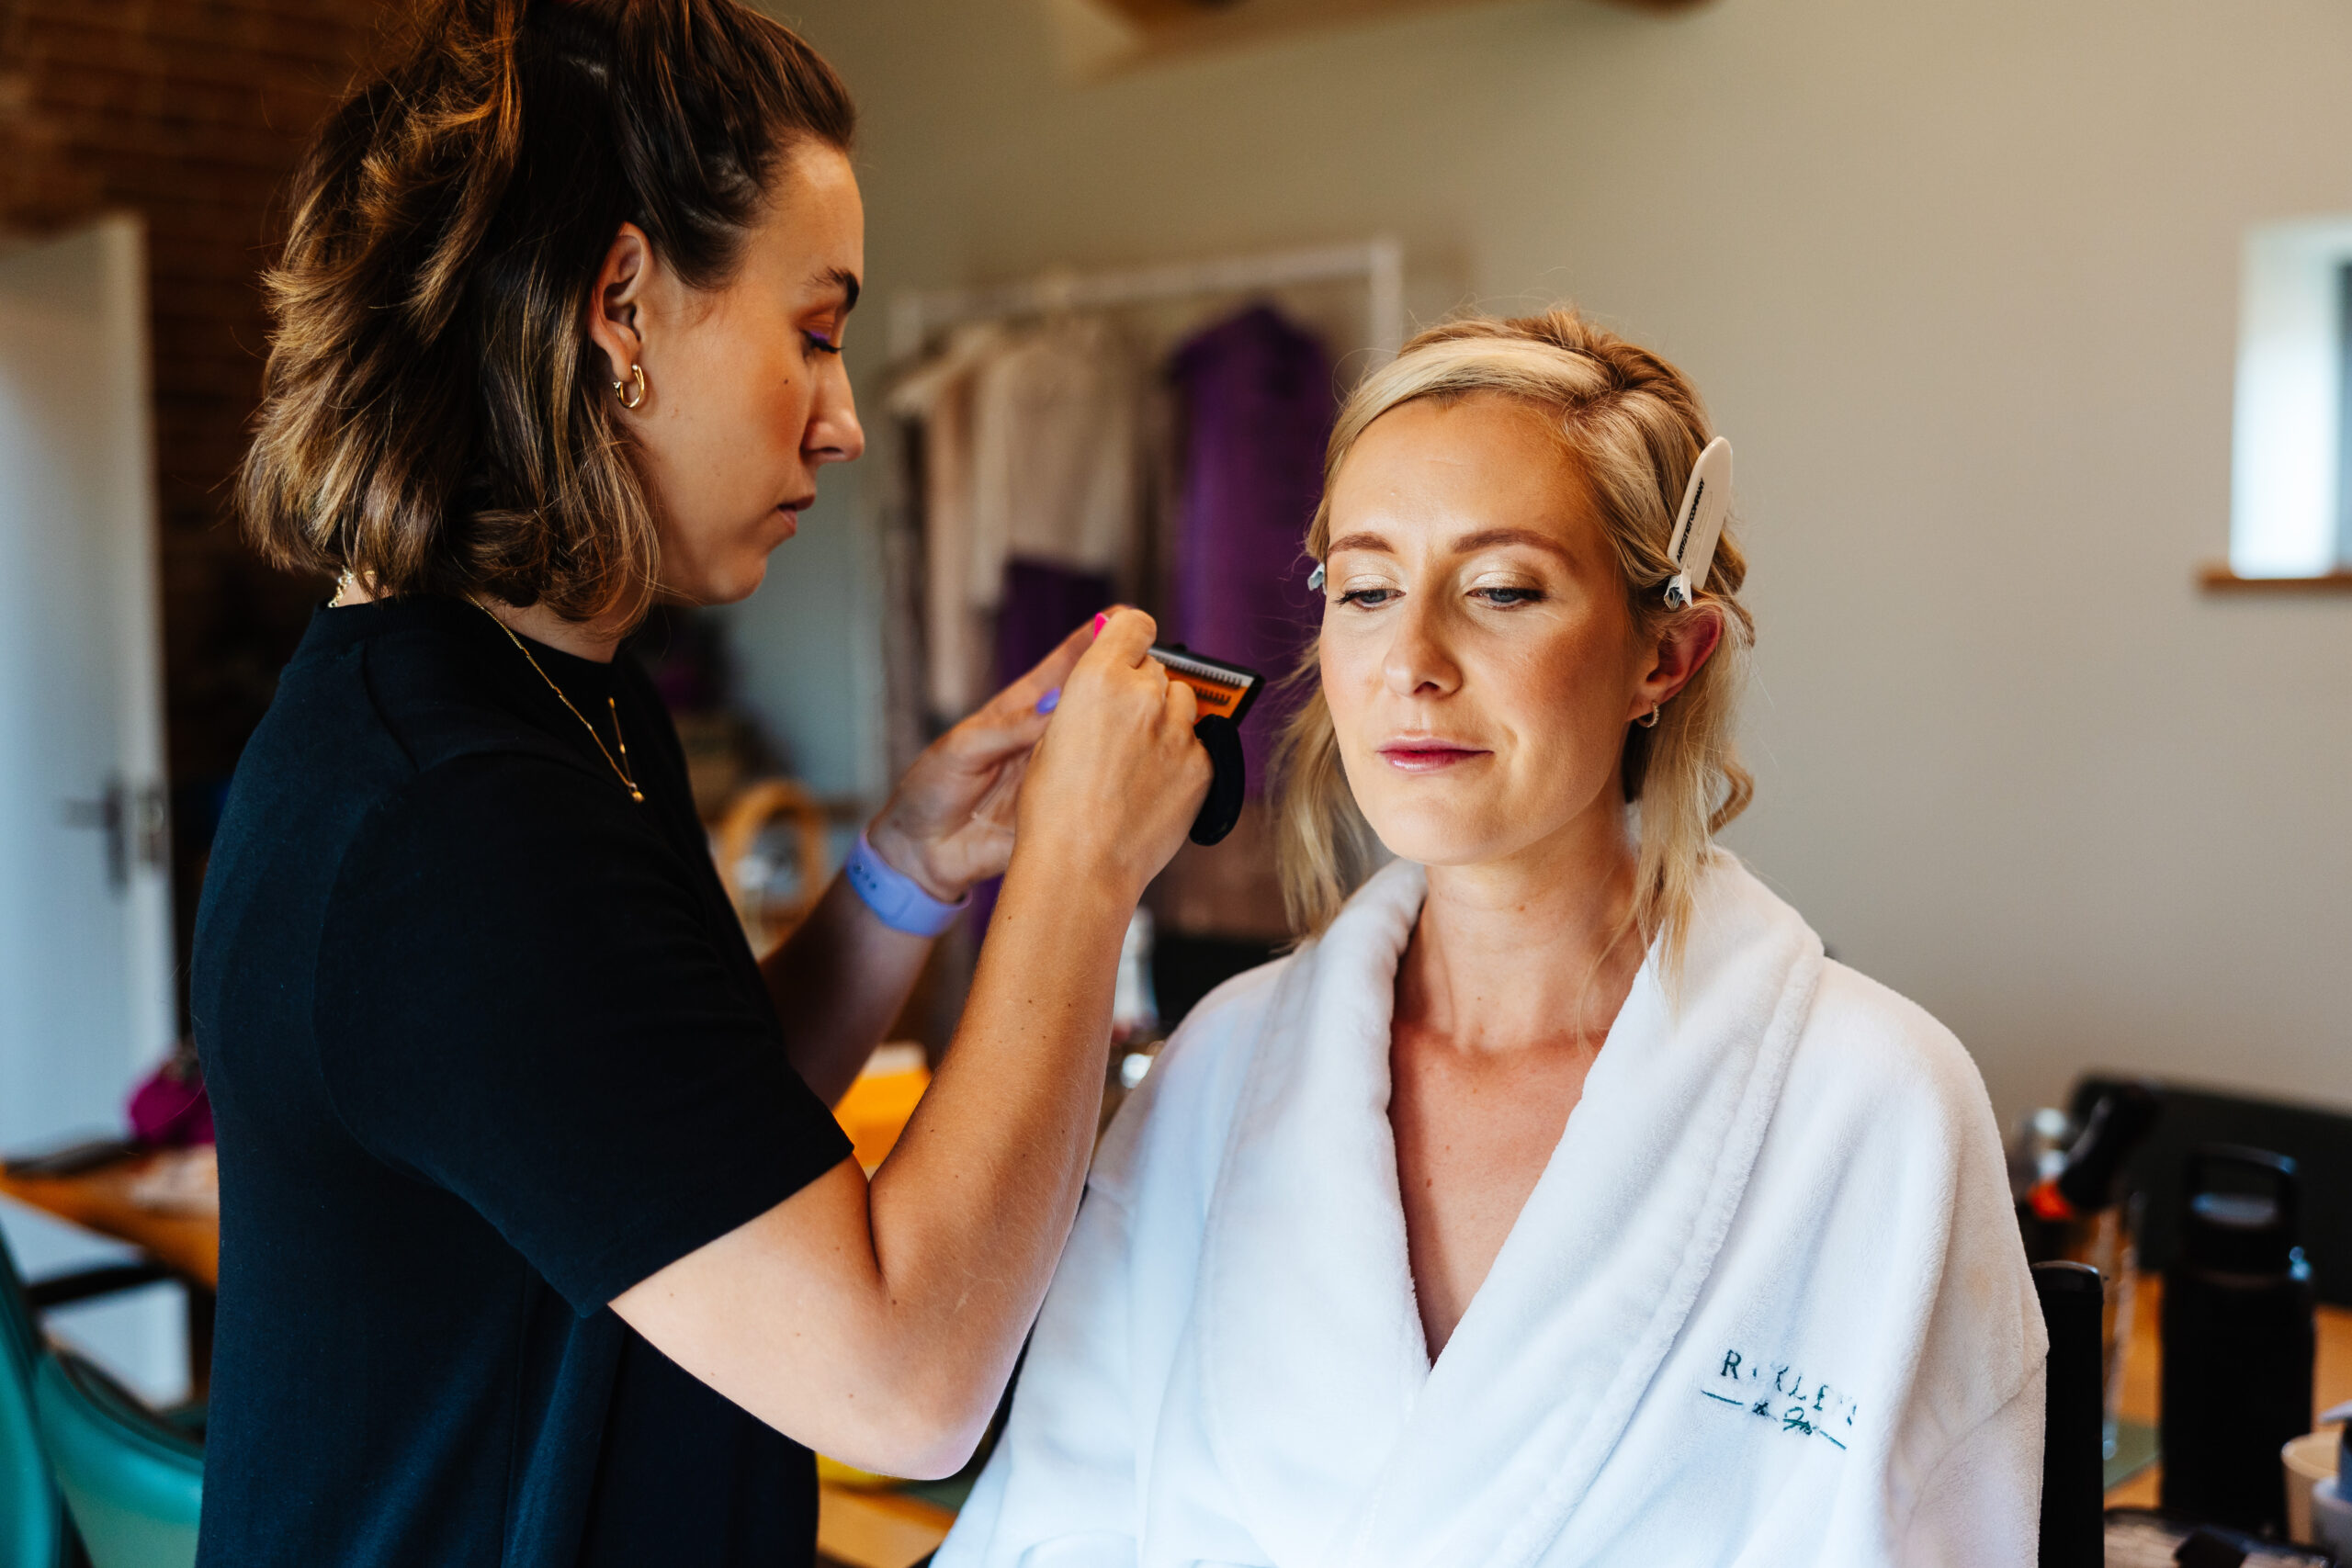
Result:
pixel 1556 1202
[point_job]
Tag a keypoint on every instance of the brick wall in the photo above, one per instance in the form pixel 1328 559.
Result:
pixel 192 113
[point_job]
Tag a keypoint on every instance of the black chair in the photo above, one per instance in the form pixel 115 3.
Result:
pixel 2074 1498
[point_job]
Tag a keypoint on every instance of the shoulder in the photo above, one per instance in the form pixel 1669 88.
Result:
pixel 1883 1121
pixel 1885 1052
pixel 1178 1115
pixel 426 687
pixel 370 735
pixel 503 831
pixel 1885 1131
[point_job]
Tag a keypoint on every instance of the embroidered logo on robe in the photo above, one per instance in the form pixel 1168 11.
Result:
pixel 1780 1393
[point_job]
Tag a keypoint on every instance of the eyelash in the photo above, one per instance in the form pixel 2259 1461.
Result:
pixel 820 344
pixel 1361 597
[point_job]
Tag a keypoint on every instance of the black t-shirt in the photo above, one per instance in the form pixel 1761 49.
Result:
pixel 486 1048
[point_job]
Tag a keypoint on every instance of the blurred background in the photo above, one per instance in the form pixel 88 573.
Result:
pixel 2028 320
pixel 1966 286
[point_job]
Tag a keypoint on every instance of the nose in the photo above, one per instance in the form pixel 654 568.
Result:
pixel 1418 664
pixel 833 434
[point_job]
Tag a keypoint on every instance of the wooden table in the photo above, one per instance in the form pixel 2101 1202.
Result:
pixel 876 1529
pixel 2143 1379
pixel 100 1200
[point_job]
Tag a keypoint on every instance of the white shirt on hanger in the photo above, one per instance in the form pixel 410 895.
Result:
pixel 1055 465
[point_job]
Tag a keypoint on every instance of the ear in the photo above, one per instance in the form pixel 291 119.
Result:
pixel 614 309
pixel 1684 644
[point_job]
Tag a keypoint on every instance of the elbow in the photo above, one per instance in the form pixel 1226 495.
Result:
pixel 928 1432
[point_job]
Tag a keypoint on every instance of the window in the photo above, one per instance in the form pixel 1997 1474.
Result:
pixel 2290 489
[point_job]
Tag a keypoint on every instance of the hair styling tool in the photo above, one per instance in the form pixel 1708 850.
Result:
pixel 1223 693
pixel 1699 524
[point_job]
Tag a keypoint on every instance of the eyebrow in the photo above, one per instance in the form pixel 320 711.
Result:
pixel 1485 538
pixel 844 280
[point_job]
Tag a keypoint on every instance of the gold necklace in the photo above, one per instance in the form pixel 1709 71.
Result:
pixel 619 767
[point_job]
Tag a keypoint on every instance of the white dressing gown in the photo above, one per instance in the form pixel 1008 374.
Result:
pixel 1766 1305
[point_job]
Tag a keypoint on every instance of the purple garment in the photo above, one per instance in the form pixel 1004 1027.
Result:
pixel 1257 404
pixel 1043 604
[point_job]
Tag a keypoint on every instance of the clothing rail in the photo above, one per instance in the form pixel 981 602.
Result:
pixel 1380 263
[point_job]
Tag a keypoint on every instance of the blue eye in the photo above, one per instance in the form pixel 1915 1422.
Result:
pixel 1504 598
pixel 1366 598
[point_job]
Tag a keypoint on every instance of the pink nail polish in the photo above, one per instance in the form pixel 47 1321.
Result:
pixel 1098 626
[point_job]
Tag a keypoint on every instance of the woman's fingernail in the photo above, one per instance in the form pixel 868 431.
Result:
pixel 1098 626
pixel 1051 700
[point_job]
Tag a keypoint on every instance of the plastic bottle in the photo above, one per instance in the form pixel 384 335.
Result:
pixel 2239 1339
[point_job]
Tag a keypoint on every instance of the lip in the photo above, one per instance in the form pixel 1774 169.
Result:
pixel 1427 753
pixel 789 511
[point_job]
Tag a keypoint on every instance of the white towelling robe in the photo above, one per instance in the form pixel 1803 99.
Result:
pixel 1767 1304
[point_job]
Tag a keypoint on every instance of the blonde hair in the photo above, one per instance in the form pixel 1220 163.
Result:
pixel 1636 428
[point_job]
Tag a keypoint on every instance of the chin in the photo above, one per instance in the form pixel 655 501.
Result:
pixel 747 581
pixel 1432 837
pixel 732 584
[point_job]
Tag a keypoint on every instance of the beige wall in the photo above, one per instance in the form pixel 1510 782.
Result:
pixel 1960 282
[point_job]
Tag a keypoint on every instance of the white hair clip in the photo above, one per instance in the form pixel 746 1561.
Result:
pixel 1706 502
pixel 1315 578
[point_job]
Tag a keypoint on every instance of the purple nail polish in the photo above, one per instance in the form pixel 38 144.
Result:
pixel 1050 701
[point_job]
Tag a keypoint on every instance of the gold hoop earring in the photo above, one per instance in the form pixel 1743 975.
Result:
pixel 1649 719
pixel 631 393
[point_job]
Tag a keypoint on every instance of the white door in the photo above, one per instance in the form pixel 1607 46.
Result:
pixel 86 1001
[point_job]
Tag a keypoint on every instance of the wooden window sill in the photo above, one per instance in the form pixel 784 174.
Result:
pixel 2219 578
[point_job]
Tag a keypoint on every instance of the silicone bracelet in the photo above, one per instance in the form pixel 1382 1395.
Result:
pixel 896 900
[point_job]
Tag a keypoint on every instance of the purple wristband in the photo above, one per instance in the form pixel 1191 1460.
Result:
pixel 896 900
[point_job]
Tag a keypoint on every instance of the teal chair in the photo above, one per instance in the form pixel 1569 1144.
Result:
pixel 32 1527
pixel 132 1481
pixel 76 1444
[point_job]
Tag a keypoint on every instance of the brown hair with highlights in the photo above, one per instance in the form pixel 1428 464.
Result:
pixel 436 418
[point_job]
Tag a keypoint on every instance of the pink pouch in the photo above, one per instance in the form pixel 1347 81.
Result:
pixel 170 1111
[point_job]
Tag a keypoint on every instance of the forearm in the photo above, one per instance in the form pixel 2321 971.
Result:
pixel 879 1324
pixel 837 982
pixel 972 1208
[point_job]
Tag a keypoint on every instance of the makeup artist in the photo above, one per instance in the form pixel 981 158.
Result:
pixel 539 1245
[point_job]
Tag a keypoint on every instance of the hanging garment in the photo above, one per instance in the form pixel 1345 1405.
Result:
pixel 939 396
pixel 1056 480
pixel 1043 605
pixel 1258 403
pixel 1766 1305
